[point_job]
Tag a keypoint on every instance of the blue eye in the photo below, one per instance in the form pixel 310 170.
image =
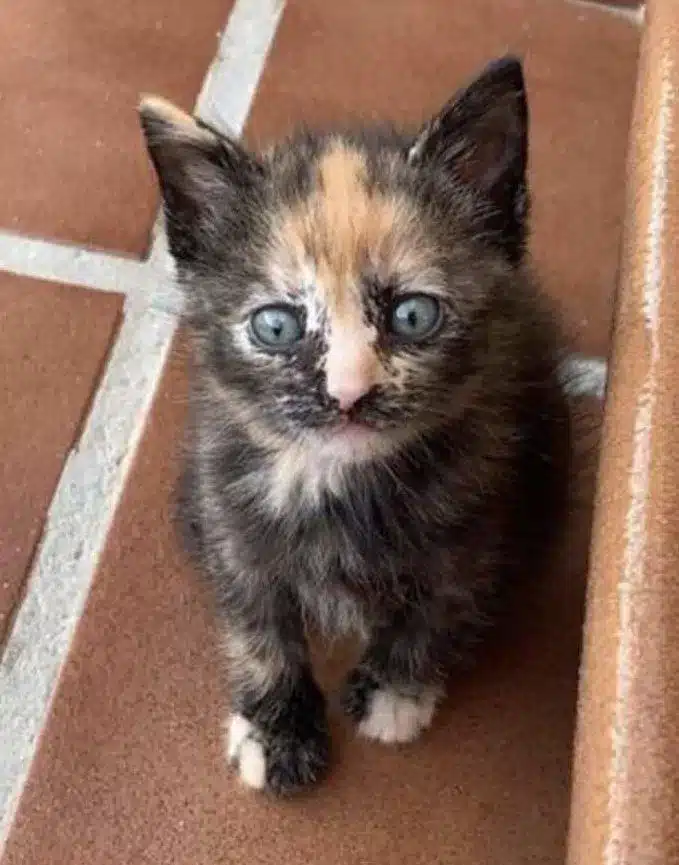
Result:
pixel 415 317
pixel 277 327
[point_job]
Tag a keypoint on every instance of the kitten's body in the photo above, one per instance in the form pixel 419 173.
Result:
pixel 354 540
pixel 356 479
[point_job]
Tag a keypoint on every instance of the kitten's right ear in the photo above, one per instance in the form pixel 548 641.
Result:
pixel 481 138
pixel 202 174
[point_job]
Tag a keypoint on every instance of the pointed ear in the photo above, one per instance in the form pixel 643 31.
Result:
pixel 204 176
pixel 481 138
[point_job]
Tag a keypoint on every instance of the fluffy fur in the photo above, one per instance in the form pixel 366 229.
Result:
pixel 393 488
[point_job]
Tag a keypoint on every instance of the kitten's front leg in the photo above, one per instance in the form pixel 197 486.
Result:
pixel 393 692
pixel 277 733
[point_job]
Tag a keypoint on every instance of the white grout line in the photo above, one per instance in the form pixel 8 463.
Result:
pixel 634 14
pixel 57 262
pixel 95 472
pixel 100 271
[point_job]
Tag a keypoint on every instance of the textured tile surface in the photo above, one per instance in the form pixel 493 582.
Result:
pixel 53 346
pixel 392 59
pixel 72 166
pixel 626 791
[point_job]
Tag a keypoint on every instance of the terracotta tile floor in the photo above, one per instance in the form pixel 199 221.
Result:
pixel 54 343
pixel 70 87
pixel 128 766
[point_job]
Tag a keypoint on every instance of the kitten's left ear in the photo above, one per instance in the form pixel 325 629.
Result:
pixel 207 179
pixel 481 138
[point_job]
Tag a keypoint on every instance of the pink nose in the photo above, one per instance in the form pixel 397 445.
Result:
pixel 351 371
pixel 349 391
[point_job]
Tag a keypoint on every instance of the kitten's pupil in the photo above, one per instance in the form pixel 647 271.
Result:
pixel 415 317
pixel 276 326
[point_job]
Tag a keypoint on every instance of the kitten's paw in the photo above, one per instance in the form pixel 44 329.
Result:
pixel 245 750
pixel 393 717
pixel 387 714
pixel 282 763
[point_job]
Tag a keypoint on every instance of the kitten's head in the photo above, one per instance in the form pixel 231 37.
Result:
pixel 340 284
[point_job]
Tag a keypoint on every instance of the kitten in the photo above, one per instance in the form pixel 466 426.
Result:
pixel 378 439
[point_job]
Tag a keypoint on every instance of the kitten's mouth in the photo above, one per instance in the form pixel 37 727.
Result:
pixel 352 440
pixel 349 429
pixel 348 425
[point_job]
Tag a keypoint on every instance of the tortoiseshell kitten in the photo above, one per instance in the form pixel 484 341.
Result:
pixel 378 438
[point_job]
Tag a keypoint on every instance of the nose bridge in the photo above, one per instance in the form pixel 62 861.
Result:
pixel 352 367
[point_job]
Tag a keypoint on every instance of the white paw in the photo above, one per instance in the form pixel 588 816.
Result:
pixel 394 717
pixel 246 751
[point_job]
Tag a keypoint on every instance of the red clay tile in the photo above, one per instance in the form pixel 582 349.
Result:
pixel 55 339
pixel 130 768
pixel 72 165
pixel 400 60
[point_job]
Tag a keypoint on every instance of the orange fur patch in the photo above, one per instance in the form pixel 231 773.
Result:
pixel 339 233
pixel 342 227
pixel 177 123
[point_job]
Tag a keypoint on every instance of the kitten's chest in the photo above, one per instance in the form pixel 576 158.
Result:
pixel 361 527
pixel 353 534
pixel 341 577
pixel 303 478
